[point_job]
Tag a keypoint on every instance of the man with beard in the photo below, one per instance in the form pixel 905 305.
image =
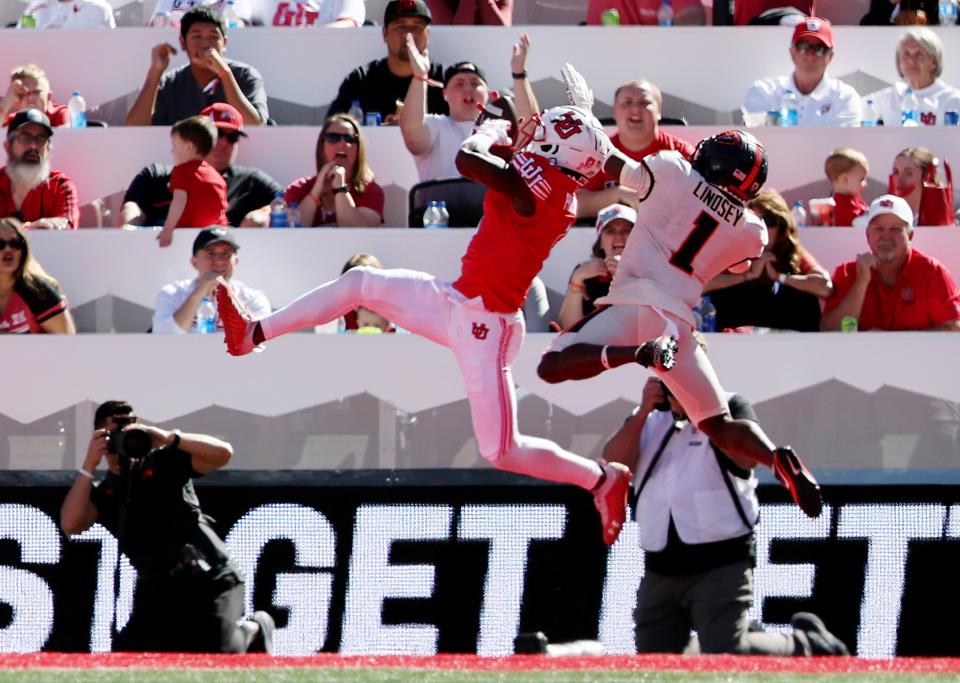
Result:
pixel 29 191
pixel 894 286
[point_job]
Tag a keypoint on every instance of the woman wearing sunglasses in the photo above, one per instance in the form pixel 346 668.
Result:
pixel 342 193
pixel 31 301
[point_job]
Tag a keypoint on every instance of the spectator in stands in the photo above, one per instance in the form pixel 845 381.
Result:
pixel 214 255
pixel 591 279
pixel 636 111
pixel 249 190
pixel 343 192
pixel 472 12
pixel 30 89
pixel 915 178
pixel 822 101
pixel 696 508
pixel 68 14
pixel 31 301
pixel 381 85
pixel 29 191
pixel 167 12
pixel 361 317
pixel 919 64
pixel 317 13
pixel 782 288
pixel 633 12
pixel 894 286
pixel 901 12
pixel 199 191
pixel 847 169
pixel 745 10
pixel 207 78
pixel 435 139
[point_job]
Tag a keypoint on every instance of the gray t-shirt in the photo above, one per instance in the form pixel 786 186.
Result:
pixel 179 95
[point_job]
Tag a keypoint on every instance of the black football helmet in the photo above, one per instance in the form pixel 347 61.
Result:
pixel 733 160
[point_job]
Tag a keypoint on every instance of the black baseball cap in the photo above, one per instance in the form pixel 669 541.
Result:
pixel 25 117
pixel 209 236
pixel 406 8
pixel 462 68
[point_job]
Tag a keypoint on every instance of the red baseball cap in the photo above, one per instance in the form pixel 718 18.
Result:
pixel 814 29
pixel 225 117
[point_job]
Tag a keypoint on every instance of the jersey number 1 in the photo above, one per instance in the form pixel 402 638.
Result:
pixel 703 226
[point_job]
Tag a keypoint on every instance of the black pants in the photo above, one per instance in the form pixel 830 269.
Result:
pixel 194 614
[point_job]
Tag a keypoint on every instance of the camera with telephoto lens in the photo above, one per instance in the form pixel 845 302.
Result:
pixel 130 444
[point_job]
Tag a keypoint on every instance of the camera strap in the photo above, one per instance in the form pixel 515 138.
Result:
pixel 674 428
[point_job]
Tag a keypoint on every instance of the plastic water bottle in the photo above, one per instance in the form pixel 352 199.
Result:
pixel 665 14
pixel 78 111
pixel 948 12
pixel 432 218
pixel 278 212
pixel 293 216
pixel 206 317
pixel 356 111
pixel 230 16
pixel 799 214
pixel 788 109
pixel 871 117
pixel 444 214
pixel 909 109
pixel 708 315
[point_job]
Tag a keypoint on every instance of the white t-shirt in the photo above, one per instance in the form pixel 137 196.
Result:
pixel 307 12
pixel 832 102
pixel 687 232
pixel 74 14
pixel 172 296
pixel 934 100
pixel 446 136
pixel 241 7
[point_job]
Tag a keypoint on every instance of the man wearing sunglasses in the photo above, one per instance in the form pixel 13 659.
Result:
pixel 41 198
pixel 249 190
pixel 821 100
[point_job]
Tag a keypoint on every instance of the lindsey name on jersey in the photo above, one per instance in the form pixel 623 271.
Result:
pixel 718 202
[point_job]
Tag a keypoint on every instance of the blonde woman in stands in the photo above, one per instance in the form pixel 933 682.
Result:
pixel 342 193
pixel 31 301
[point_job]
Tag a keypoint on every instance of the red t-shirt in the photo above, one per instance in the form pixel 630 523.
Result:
pixel 635 11
pixel 206 194
pixel 508 250
pixel 745 10
pixel 56 197
pixel 58 114
pixel 27 308
pixel 848 207
pixel 372 197
pixel 663 142
pixel 925 295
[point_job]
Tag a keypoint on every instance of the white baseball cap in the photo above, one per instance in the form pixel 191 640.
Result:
pixel 886 203
pixel 613 212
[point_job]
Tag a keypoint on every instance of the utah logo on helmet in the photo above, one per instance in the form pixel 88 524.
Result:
pixel 733 160
pixel 571 138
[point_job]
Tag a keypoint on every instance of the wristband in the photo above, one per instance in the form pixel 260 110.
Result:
pixel 343 189
pixel 176 439
pixel 87 473
pixel 519 75
pixel 782 278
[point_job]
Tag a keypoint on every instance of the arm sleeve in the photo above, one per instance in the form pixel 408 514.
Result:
pixel 760 97
pixel 44 300
pixel 168 301
pixel 943 297
pixel 740 408
pixel 842 282
pixel 251 85
pixel 372 198
pixel 67 206
pixel 299 189
pixel 536 309
pixel 179 178
pixel 637 176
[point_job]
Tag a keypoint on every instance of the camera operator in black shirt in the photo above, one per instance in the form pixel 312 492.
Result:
pixel 189 595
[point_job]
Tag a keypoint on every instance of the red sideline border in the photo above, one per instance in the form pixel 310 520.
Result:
pixel 722 663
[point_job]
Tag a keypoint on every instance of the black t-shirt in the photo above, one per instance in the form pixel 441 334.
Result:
pixel 755 303
pixel 247 189
pixel 378 90
pixel 163 516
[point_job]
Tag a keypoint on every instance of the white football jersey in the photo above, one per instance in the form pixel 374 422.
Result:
pixel 241 7
pixel 687 232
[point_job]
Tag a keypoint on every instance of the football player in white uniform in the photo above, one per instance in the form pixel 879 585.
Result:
pixel 692 224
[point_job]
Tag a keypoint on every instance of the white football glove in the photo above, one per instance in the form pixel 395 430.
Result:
pixel 578 91
pixel 497 130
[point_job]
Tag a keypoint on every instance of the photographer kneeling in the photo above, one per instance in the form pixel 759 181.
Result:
pixel 189 595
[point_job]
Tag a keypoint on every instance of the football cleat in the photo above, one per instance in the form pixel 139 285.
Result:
pixel 798 480
pixel 610 498
pixel 238 325
pixel 659 354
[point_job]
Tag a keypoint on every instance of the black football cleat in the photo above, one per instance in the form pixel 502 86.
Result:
pixel 659 354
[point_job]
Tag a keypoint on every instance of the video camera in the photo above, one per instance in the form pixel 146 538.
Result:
pixel 130 444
